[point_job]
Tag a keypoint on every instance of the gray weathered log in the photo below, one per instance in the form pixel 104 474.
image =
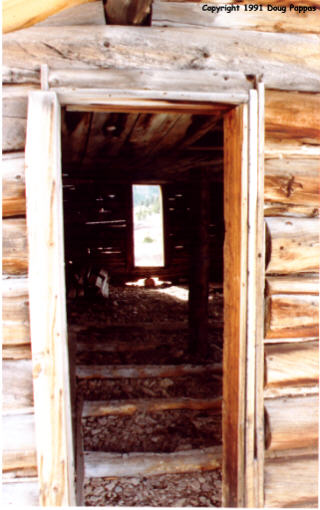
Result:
pixel 13 185
pixel 144 47
pixel 17 385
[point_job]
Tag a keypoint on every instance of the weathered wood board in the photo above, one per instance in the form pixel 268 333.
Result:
pixel 292 316
pixel 292 245
pixel 182 48
pixel 292 481
pixel 15 246
pixel 15 313
pixel 17 389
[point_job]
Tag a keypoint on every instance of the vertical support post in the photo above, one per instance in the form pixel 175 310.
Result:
pixel 235 304
pixel 47 302
pixel 199 270
pixel 130 234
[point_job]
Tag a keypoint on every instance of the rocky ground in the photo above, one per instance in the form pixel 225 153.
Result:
pixel 166 431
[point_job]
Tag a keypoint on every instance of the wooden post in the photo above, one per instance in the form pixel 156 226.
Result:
pixel 47 302
pixel 235 305
pixel 199 268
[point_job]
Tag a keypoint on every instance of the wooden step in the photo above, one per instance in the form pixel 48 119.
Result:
pixel 128 407
pixel 114 465
pixel 145 371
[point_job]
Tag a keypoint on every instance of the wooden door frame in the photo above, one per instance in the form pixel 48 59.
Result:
pixel 243 282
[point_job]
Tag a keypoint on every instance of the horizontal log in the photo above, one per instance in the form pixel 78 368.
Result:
pixel 289 147
pixel 292 422
pixel 13 185
pixel 181 48
pixel 17 388
pixel 292 181
pixel 288 210
pixel 18 14
pixel 18 445
pixel 292 115
pixel 20 492
pixel 15 246
pixel 15 312
pixel 172 14
pixel 129 407
pixel 292 364
pixel 15 352
pixel 291 315
pixel 292 245
pixel 307 389
pixel 144 371
pixel 101 464
pixel 303 284
pixel 14 134
pixel 291 482
pixel 84 14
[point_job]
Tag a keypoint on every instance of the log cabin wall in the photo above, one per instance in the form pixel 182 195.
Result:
pixel 292 154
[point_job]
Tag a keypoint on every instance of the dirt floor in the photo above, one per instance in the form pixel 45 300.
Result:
pixel 89 320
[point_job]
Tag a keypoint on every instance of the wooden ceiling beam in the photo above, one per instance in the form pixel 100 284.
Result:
pixel 127 12
pixel 17 14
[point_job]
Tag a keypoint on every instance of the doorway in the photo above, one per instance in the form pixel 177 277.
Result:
pixel 238 143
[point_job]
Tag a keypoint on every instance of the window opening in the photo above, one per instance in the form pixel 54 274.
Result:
pixel 148 226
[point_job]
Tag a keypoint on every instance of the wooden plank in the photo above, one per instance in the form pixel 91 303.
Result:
pixel 18 445
pixel 17 389
pixel 17 14
pixel 293 115
pixel 290 148
pixel 293 245
pixel 14 246
pixel 14 115
pixel 260 287
pixel 235 277
pixel 252 296
pixel 15 352
pixel 143 371
pixel 181 48
pixel 161 83
pixel 129 407
pixel 102 464
pixel 292 482
pixel 292 181
pixel 292 364
pixel 127 12
pixel 291 315
pixel 83 14
pixel 172 14
pixel 47 301
pixel 15 312
pixel 13 185
pixel 303 284
pixel 292 422
pixel 20 492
